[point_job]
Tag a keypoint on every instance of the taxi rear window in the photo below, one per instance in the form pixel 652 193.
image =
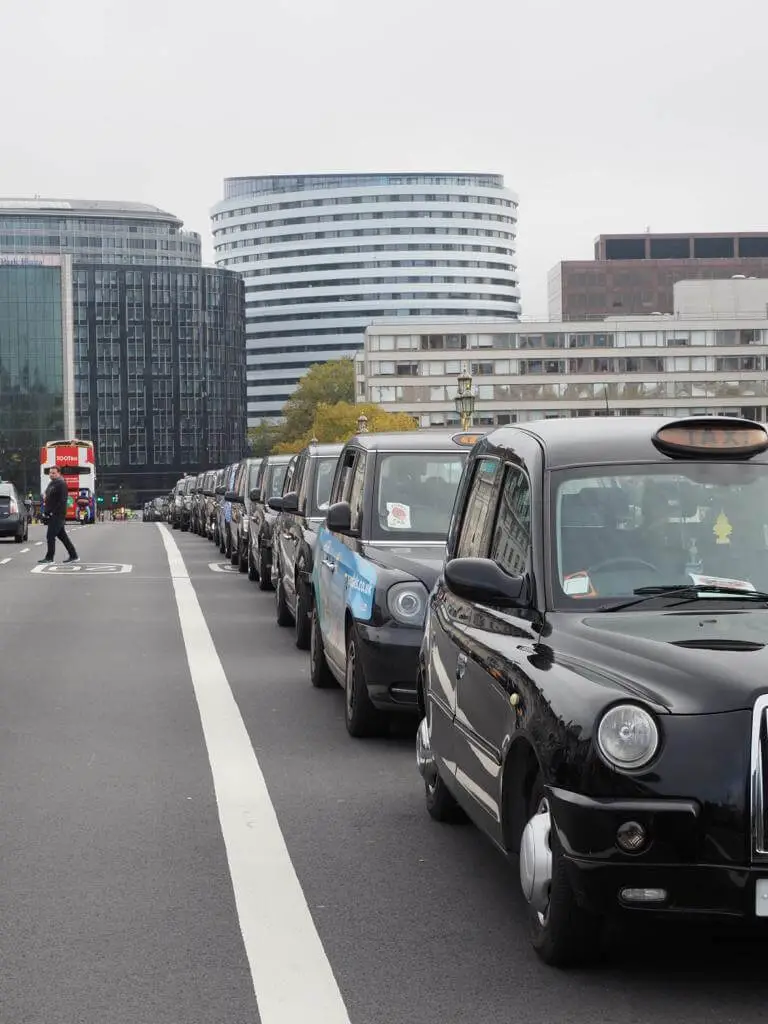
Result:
pixel 414 494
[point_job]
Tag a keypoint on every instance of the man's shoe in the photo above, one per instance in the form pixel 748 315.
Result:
pixel 72 558
pixel 44 561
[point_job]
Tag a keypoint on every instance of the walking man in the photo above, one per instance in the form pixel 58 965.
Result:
pixel 55 503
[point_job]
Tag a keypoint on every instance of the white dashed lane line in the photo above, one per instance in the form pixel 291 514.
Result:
pixel 4 561
pixel 24 551
pixel 38 543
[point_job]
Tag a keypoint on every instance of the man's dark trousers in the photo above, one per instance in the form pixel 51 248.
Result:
pixel 56 532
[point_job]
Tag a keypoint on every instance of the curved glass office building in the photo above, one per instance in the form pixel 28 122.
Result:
pixel 324 256
pixel 95 230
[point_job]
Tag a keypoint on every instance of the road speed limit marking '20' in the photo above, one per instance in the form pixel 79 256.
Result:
pixel 83 569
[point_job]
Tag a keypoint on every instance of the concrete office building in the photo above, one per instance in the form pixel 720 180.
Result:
pixel 325 255
pixel 711 359
pixel 635 275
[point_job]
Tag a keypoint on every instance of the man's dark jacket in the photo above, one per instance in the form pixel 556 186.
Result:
pixel 56 499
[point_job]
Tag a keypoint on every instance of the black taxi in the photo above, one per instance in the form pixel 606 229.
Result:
pixel 269 481
pixel 378 556
pixel 300 510
pixel 594 670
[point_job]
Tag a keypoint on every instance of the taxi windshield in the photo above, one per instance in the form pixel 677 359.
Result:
pixel 618 529
pixel 414 495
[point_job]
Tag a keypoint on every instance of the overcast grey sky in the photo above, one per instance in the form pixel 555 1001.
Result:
pixel 603 115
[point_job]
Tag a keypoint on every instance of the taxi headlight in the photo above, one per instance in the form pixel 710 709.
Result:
pixel 407 603
pixel 627 736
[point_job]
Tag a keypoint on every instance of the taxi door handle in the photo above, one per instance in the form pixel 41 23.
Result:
pixel 329 564
pixel 461 665
pixel 287 536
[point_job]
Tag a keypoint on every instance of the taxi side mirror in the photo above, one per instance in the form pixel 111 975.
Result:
pixel 255 494
pixel 232 496
pixel 482 581
pixel 276 503
pixel 220 491
pixel 290 502
pixel 338 518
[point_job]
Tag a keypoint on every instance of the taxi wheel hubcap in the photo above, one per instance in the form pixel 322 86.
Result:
pixel 536 861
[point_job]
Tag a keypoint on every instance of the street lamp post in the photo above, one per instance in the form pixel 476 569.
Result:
pixel 362 423
pixel 464 399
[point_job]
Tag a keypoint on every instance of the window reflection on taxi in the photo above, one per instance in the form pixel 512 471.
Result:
pixel 651 526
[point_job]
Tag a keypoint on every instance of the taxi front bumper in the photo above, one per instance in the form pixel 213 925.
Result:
pixel 667 877
pixel 390 659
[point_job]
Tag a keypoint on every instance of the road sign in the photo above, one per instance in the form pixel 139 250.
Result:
pixel 83 568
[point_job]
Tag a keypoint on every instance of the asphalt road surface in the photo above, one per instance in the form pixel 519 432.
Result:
pixel 188 834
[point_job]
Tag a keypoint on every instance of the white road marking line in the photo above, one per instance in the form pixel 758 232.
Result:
pixel 38 543
pixel 24 551
pixel 5 561
pixel 292 977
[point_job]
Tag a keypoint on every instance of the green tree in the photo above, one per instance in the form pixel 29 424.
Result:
pixel 324 384
pixel 264 437
pixel 338 422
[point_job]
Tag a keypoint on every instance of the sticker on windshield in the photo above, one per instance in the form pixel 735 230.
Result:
pixel 722 529
pixel 398 516
pixel 720 581
pixel 578 584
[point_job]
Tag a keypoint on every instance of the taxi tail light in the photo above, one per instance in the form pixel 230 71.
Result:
pixel 13 507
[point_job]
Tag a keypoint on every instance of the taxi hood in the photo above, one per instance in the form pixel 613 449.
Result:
pixel 689 662
pixel 424 562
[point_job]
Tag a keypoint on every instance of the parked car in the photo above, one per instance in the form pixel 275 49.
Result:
pixel 14 513
pixel 269 482
pixel 378 555
pixel 240 519
pixel 301 509
pixel 225 509
pixel 594 666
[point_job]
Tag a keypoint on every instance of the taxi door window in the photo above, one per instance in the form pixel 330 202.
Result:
pixel 343 482
pixel 289 478
pixel 511 543
pixel 357 492
pixel 478 514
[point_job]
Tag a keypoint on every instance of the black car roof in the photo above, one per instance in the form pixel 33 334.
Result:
pixel 593 440
pixel 323 449
pixel 410 440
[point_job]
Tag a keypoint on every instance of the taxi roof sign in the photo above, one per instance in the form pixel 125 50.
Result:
pixel 724 437
pixel 466 440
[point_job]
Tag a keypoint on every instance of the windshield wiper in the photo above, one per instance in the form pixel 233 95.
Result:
pixel 686 592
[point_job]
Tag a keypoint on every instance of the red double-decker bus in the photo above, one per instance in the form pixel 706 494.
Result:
pixel 76 460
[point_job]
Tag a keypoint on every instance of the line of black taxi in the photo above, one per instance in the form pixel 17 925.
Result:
pixel 577 613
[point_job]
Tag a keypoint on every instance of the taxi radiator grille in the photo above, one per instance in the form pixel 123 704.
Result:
pixel 759 781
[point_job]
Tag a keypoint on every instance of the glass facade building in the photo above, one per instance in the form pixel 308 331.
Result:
pixel 96 231
pixel 323 256
pixel 35 380
pixel 159 371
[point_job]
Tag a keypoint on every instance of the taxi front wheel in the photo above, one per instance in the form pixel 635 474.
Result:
pixel 319 673
pixel 562 932
pixel 362 718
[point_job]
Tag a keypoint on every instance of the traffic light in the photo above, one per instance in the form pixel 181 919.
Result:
pixel 114 499
pixel 100 500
